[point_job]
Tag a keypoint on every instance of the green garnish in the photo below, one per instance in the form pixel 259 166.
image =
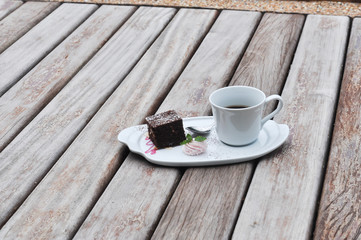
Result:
pixel 190 139
pixel 200 138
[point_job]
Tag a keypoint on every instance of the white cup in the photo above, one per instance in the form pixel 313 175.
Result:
pixel 240 126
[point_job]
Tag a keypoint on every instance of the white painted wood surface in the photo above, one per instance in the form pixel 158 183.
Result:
pixel 21 56
pixel 206 202
pixel 30 94
pixel 8 6
pixel 95 155
pixel 282 197
pixel 33 152
pixel 124 213
pixel 339 212
pixel 22 20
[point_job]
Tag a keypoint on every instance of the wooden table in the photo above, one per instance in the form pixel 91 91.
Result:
pixel 72 76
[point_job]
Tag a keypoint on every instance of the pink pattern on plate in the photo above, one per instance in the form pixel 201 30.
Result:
pixel 152 148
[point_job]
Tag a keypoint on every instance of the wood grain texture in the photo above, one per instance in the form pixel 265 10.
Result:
pixel 22 20
pixel 212 67
pixel 33 152
pixel 339 212
pixel 207 201
pixel 30 94
pixel 267 60
pixel 118 214
pixel 282 198
pixel 25 53
pixel 84 170
pixel 7 6
pixel 137 195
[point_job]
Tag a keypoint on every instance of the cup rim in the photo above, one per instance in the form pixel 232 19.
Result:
pixel 240 109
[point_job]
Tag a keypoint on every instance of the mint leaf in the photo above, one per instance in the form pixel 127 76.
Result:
pixel 200 138
pixel 188 139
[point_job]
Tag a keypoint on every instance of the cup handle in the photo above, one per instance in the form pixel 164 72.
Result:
pixel 272 114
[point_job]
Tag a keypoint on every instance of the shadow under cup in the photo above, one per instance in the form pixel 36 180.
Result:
pixel 237 111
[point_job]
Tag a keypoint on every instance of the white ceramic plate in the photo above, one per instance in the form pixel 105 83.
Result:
pixel 271 137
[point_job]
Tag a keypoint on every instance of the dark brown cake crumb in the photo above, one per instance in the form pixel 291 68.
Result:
pixel 165 129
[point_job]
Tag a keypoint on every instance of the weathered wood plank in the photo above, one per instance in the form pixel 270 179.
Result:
pixel 33 152
pixel 266 62
pixel 95 155
pixel 137 195
pixel 7 6
pixel 282 198
pixel 22 20
pixel 21 56
pixel 207 201
pixel 30 94
pixel 339 212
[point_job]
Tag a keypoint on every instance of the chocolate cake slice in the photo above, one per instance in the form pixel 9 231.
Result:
pixel 165 129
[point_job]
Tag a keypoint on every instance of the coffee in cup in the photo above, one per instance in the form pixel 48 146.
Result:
pixel 238 111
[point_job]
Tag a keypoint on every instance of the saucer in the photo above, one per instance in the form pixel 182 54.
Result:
pixel 271 137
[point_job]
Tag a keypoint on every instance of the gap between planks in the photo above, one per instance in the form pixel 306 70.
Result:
pixel 338 215
pixel 25 53
pixel 115 209
pixel 55 127
pixel 8 6
pixel 98 78
pixel 20 104
pixel 264 65
pixel 22 20
pixel 285 186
